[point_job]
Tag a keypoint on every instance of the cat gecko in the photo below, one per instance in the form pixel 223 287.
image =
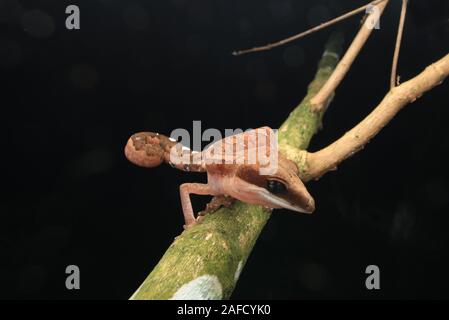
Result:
pixel 230 176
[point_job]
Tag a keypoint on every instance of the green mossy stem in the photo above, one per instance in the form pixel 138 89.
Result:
pixel 221 243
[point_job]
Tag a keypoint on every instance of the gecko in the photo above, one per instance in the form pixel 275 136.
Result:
pixel 231 176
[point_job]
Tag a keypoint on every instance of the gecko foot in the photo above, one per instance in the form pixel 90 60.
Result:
pixel 188 226
pixel 216 203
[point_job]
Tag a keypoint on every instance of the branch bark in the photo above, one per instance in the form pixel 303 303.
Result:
pixel 205 261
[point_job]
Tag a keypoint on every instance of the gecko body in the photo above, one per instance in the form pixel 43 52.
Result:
pixel 234 166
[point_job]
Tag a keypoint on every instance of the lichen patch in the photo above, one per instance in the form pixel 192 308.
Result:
pixel 205 287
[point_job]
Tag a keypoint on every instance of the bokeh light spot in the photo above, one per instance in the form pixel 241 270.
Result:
pixel 38 24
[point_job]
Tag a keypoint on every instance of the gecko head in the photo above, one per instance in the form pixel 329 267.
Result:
pixel 283 189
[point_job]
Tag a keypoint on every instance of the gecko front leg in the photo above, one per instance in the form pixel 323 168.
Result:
pixel 185 190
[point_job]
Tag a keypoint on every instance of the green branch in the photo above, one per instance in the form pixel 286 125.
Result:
pixel 205 262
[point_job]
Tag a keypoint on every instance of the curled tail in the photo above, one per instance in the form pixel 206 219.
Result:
pixel 149 149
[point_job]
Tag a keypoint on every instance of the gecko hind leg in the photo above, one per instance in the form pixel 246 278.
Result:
pixel 185 190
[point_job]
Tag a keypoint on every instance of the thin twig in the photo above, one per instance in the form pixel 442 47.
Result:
pixel 319 101
pixel 397 49
pixel 327 159
pixel 307 32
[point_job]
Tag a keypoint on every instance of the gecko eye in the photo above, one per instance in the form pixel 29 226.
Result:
pixel 276 187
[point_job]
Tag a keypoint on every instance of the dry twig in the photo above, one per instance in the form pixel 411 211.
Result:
pixel 394 78
pixel 307 32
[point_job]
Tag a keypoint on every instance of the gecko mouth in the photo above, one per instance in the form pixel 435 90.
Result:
pixel 282 203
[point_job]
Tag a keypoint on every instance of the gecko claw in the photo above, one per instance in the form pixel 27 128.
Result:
pixel 216 203
pixel 188 226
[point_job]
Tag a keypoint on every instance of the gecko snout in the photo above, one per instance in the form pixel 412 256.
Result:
pixel 310 206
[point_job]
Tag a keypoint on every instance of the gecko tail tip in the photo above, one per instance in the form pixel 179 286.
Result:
pixel 143 154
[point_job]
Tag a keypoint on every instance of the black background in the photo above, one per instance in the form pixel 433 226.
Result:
pixel 70 100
